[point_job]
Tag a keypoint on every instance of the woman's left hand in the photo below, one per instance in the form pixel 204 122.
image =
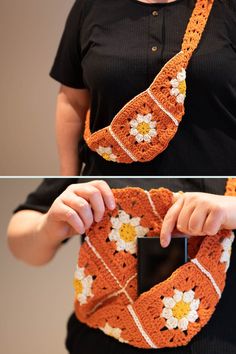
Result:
pixel 199 214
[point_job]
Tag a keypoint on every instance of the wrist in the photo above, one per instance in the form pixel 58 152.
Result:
pixel 45 236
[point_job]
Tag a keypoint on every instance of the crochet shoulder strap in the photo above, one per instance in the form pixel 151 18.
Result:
pixel 196 26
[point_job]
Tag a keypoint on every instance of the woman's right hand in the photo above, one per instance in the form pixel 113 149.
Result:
pixel 76 209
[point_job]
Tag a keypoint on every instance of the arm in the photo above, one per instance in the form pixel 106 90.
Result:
pixel 72 106
pixel 199 214
pixel 34 237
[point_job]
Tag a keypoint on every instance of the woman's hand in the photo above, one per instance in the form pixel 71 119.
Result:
pixel 199 214
pixel 76 209
pixel 35 237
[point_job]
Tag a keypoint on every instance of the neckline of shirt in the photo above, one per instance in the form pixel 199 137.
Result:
pixel 139 2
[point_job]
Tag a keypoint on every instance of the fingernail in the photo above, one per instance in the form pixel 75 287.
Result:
pixel 112 205
pixel 165 242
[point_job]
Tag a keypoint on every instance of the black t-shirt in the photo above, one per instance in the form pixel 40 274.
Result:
pixel 217 337
pixel 107 46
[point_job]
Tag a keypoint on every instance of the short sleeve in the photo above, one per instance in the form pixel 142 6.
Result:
pixel 67 68
pixel 230 19
pixel 42 198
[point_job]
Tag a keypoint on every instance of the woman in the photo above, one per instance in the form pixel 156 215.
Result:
pixel 58 210
pixel 111 51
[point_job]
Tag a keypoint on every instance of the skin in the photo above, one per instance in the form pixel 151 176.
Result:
pixel 35 237
pixel 71 108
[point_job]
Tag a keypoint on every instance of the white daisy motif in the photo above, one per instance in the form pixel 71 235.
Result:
pixel 113 332
pixel 82 285
pixel 179 86
pixel 143 128
pixel 226 252
pixel 106 153
pixel 125 231
pixel 180 309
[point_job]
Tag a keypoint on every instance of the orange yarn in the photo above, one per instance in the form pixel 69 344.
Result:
pixel 105 281
pixel 143 128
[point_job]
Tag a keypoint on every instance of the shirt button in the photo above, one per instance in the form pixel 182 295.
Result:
pixel 154 48
pixel 154 13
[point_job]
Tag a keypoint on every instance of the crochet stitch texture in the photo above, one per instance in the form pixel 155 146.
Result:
pixel 105 281
pixel 143 128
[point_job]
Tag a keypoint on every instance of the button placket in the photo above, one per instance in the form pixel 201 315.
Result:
pixel 154 29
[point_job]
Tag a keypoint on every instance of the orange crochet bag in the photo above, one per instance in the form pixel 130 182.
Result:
pixel 143 128
pixel 105 280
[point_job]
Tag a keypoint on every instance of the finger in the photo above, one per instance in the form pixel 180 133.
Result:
pixel 94 197
pixel 196 221
pixel 169 222
pixel 97 203
pixel 184 216
pixel 82 208
pixel 106 192
pixel 213 222
pixel 70 216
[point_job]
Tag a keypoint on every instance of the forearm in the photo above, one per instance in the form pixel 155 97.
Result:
pixel 28 240
pixel 69 128
pixel 72 106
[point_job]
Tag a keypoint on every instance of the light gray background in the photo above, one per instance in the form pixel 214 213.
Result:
pixel 35 301
pixel 30 31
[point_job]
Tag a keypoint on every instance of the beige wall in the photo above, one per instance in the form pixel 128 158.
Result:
pixel 35 302
pixel 29 34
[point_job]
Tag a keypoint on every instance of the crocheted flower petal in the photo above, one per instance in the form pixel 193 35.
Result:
pixel 174 92
pixel 147 118
pixel 195 304
pixel 188 296
pixel 79 273
pixel 174 82
pixel 227 266
pixel 133 123
pixel 166 313
pixel 181 76
pixel 192 316
pixel 224 257
pixel 152 124
pixel 124 218
pixel 133 131
pixel 131 247
pixel 139 118
pixel 135 221
pixel 82 298
pixel 178 295
pixel 115 222
pixel 141 231
pixel 114 235
pixel 152 132
pixel 139 138
pixel 120 245
pixel 147 138
pixel 169 302
pixel 107 150
pixel 172 323
pixel 180 98
pixel 227 244
pixel 113 157
pixel 183 324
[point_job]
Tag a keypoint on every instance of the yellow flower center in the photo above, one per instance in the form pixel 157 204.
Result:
pixel 143 128
pixel 78 286
pixel 181 309
pixel 182 87
pixel 106 156
pixel 127 232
